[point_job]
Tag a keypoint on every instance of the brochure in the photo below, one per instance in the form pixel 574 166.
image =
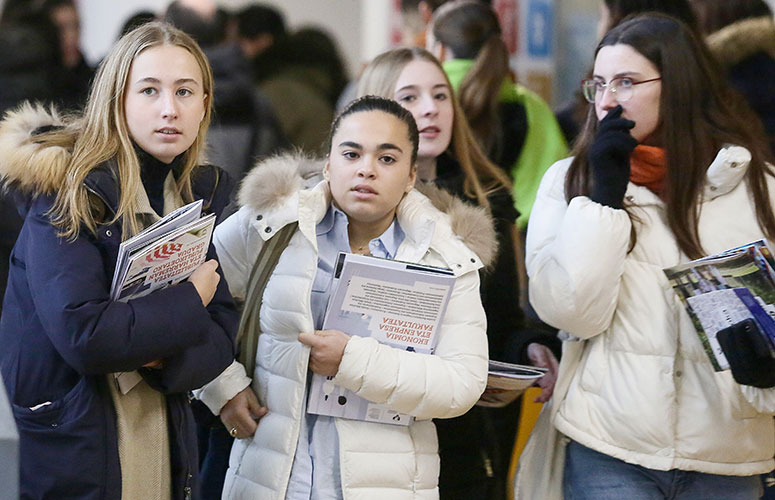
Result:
pixel 397 303
pixel 507 381
pixel 164 254
pixel 721 290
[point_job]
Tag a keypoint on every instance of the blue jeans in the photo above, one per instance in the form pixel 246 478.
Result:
pixel 590 475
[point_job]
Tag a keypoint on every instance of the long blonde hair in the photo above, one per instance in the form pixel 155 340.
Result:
pixel 482 177
pixel 101 133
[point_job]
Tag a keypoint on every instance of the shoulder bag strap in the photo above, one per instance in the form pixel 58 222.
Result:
pixel 263 267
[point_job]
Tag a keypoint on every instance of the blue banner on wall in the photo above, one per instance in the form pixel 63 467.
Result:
pixel 539 24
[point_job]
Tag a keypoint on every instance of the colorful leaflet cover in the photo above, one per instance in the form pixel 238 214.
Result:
pixel 726 288
pixel 164 254
pixel 397 303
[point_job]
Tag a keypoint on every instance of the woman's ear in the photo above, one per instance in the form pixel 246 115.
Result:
pixel 439 51
pixel 412 178
pixel 326 173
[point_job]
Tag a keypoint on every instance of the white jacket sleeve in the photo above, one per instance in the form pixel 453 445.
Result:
pixel 575 257
pixel 222 388
pixel 445 384
pixel 231 243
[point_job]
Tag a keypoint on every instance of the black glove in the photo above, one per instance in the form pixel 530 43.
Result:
pixel 748 353
pixel 609 159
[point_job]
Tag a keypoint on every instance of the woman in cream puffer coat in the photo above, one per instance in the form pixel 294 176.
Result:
pixel 643 391
pixel 377 461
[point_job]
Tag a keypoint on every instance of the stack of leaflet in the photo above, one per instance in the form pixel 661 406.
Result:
pixel 164 254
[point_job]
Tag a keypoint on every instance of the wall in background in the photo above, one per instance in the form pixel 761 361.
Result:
pixel 102 21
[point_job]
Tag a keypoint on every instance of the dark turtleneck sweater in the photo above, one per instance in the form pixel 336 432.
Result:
pixel 153 173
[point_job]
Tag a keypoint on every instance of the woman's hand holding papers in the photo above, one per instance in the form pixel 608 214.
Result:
pixel 326 350
pixel 542 356
pixel 205 280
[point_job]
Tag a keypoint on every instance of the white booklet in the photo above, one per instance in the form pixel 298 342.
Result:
pixel 163 254
pixel 397 303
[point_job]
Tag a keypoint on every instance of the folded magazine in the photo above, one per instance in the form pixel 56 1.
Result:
pixel 397 303
pixel 724 289
pixel 163 254
pixel 506 381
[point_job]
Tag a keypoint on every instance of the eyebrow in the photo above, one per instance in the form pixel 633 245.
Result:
pixel 381 147
pixel 180 81
pixel 622 74
pixel 412 87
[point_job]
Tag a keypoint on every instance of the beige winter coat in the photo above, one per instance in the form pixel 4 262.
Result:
pixel 644 390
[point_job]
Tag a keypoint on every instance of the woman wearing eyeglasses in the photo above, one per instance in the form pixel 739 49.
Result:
pixel 667 169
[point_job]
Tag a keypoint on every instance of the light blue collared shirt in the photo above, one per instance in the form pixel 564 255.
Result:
pixel 315 473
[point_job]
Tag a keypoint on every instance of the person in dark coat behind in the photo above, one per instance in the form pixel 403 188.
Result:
pixel 29 58
pixel 99 387
pixel 245 128
pixel 741 36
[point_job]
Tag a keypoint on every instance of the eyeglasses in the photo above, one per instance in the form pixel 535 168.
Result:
pixel 621 88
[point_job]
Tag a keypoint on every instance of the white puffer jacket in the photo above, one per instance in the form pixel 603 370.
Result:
pixel 378 461
pixel 644 390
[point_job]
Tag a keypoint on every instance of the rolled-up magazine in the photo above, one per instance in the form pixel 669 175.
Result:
pixel 164 254
pixel 507 381
pixel 727 288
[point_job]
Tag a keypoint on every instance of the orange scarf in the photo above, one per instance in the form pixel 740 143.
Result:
pixel 648 166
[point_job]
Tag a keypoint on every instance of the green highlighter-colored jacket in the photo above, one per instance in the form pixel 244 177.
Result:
pixel 544 143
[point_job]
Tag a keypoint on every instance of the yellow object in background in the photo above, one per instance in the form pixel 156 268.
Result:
pixel 527 419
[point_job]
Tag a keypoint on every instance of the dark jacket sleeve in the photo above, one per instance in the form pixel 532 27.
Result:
pixel 199 364
pixel 93 334
pixel 509 333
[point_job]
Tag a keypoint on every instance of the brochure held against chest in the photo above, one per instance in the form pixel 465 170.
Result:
pixel 725 289
pixel 397 303
pixel 164 254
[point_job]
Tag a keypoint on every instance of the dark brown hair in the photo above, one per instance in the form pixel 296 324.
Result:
pixel 698 115
pixel 470 29
pixel 680 9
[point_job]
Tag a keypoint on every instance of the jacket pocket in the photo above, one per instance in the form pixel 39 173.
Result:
pixel 51 414
pixel 731 393
pixel 595 367
pixel 65 444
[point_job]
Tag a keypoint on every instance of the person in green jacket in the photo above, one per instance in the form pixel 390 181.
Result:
pixel 513 124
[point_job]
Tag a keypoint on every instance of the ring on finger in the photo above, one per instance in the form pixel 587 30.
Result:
pixel 233 432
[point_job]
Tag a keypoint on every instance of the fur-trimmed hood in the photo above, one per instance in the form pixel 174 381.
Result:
pixel 25 164
pixel 274 181
pixel 738 41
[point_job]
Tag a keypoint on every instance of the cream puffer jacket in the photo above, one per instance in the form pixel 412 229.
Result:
pixel 378 461
pixel 644 390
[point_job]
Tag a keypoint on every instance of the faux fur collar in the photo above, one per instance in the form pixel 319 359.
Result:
pixel 24 163
pixel 740 40
pixel 272 182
